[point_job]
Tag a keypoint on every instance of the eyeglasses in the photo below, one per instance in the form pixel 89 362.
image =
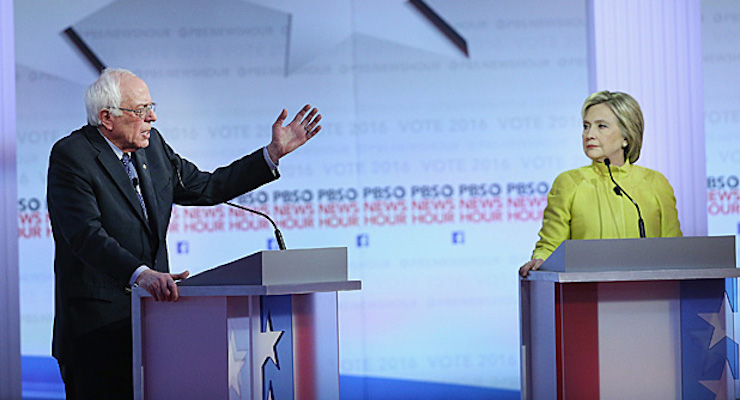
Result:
pixel 142 112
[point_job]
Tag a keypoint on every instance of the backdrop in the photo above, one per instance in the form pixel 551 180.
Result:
pixel 439 146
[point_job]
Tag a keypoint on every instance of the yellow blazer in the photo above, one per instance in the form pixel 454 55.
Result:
pixel 582 205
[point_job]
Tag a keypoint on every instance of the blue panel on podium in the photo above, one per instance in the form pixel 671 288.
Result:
pixel 709 356
pixel 276 316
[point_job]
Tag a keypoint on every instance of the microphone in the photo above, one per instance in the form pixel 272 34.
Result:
pixel 618 191
pixel 135 181
pixel 278 234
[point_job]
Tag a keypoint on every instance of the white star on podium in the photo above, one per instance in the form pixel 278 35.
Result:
pixel 237 359
pixel 719 321
pixel 724 387
pixel 267 342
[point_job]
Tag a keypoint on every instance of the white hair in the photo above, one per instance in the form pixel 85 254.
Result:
pixel 105 93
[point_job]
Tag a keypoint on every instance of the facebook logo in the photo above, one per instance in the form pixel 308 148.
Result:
pixel 272 244
pixel 183 247
pixel 458 237
pixel 363 240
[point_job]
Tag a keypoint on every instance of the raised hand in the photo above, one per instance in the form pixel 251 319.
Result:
pixel 287 138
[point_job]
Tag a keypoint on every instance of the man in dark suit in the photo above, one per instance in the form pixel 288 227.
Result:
pixel 111 187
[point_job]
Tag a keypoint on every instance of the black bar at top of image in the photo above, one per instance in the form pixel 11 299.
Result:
pixel 84 49
pixel 442 25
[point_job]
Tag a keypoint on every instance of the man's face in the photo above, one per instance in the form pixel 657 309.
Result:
pixel 129 132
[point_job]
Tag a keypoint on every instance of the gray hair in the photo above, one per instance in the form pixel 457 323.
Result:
pixel 105 93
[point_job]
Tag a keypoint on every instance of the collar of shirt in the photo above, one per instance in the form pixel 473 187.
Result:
pixel 119 152
pixel 600 168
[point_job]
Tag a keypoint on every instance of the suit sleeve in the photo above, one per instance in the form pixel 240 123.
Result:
pixel 194 187
pixel 556 218
pixel 669 224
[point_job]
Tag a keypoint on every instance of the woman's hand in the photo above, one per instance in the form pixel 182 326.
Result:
pixel 531 265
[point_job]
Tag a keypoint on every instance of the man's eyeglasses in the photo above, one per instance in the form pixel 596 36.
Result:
pixel 142 112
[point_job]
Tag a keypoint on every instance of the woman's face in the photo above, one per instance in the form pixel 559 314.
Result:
pixel 602 137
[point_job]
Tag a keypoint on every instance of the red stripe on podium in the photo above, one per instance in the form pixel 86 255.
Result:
pixel 577 336
pixel 304 348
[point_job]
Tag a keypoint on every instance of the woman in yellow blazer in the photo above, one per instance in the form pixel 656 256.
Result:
pixel 583 202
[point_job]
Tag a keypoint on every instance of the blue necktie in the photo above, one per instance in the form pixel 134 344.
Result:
pixel 134 180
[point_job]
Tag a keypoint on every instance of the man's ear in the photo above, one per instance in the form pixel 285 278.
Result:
pixel 106 118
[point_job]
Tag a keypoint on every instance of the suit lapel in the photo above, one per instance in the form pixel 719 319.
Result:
pixel 147 189
pixel 113 166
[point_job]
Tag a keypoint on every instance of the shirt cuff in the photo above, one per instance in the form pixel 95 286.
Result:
pixel 136 274
pixel 273 166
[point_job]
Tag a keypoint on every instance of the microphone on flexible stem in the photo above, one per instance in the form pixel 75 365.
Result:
pixel 618 190
pixel 278 234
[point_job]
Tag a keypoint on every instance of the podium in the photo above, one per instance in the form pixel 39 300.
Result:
pixel 631 319
pixel 261 327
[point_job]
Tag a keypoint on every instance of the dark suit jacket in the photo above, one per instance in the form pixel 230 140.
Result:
pixel 100 233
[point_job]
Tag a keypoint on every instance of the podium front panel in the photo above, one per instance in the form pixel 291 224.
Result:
pixel 631 319
pixel 179 335
pixel 237 347
pixel 639 340
pixel 627 339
